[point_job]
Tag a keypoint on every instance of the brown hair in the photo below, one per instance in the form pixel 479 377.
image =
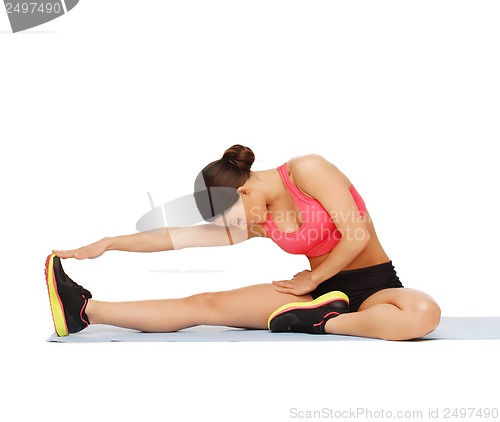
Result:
pixel 215 186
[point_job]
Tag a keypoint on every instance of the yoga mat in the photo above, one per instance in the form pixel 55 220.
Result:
pixel 450 328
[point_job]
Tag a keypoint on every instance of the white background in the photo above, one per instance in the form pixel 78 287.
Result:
pixel 120 98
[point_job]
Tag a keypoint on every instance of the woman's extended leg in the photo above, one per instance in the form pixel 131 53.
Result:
pixel 247 307
pixel 390 314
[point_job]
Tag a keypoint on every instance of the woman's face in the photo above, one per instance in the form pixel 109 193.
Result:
pixel 248 211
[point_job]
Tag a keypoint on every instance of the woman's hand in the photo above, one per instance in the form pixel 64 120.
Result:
pixel 91 251
pixel 299 285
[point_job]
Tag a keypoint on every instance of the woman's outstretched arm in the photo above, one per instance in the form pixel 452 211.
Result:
pixel 163 239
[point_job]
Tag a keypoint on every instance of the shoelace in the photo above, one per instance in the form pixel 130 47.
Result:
pixel 85 293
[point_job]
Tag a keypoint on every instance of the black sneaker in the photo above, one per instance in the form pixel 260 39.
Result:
pixel 309 317
pixel 67 299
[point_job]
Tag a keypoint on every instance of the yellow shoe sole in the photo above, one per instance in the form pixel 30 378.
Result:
pixel 319 301
pixel 56 305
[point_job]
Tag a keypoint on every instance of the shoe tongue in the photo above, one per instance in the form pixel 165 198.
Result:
pixel 87 294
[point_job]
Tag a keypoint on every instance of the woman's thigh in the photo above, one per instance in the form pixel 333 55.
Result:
pixel 246 307
pixel 404 298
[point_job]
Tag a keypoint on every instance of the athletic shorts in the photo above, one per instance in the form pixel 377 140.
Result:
pixel 360 284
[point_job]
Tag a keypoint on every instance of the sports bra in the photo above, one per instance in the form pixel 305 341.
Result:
pixel 317 234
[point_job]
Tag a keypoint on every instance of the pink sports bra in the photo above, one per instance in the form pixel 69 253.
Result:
pixel 317 234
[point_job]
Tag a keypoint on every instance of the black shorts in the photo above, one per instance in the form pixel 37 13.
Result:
pixel 360 284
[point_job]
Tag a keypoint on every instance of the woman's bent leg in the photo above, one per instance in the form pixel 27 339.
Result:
pixel 391 314
pixel 246 307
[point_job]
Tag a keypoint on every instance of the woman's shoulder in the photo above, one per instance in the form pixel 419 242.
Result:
pixel 306 166
pixel 306 161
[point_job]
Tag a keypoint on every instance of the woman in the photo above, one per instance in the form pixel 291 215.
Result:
pixel 307 206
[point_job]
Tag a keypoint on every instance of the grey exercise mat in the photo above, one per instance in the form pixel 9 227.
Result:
pixel 450 328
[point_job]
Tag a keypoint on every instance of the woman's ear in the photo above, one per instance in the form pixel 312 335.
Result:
pixel 243 190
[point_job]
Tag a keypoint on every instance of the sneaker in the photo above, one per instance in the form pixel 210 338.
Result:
pixel 309 317
pixel 68 299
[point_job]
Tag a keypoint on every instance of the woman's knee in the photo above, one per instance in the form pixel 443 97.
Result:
pixel 206 301
pixel 426 316
pixel 206 305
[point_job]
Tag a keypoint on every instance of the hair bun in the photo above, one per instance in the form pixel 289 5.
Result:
pixel 240 156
